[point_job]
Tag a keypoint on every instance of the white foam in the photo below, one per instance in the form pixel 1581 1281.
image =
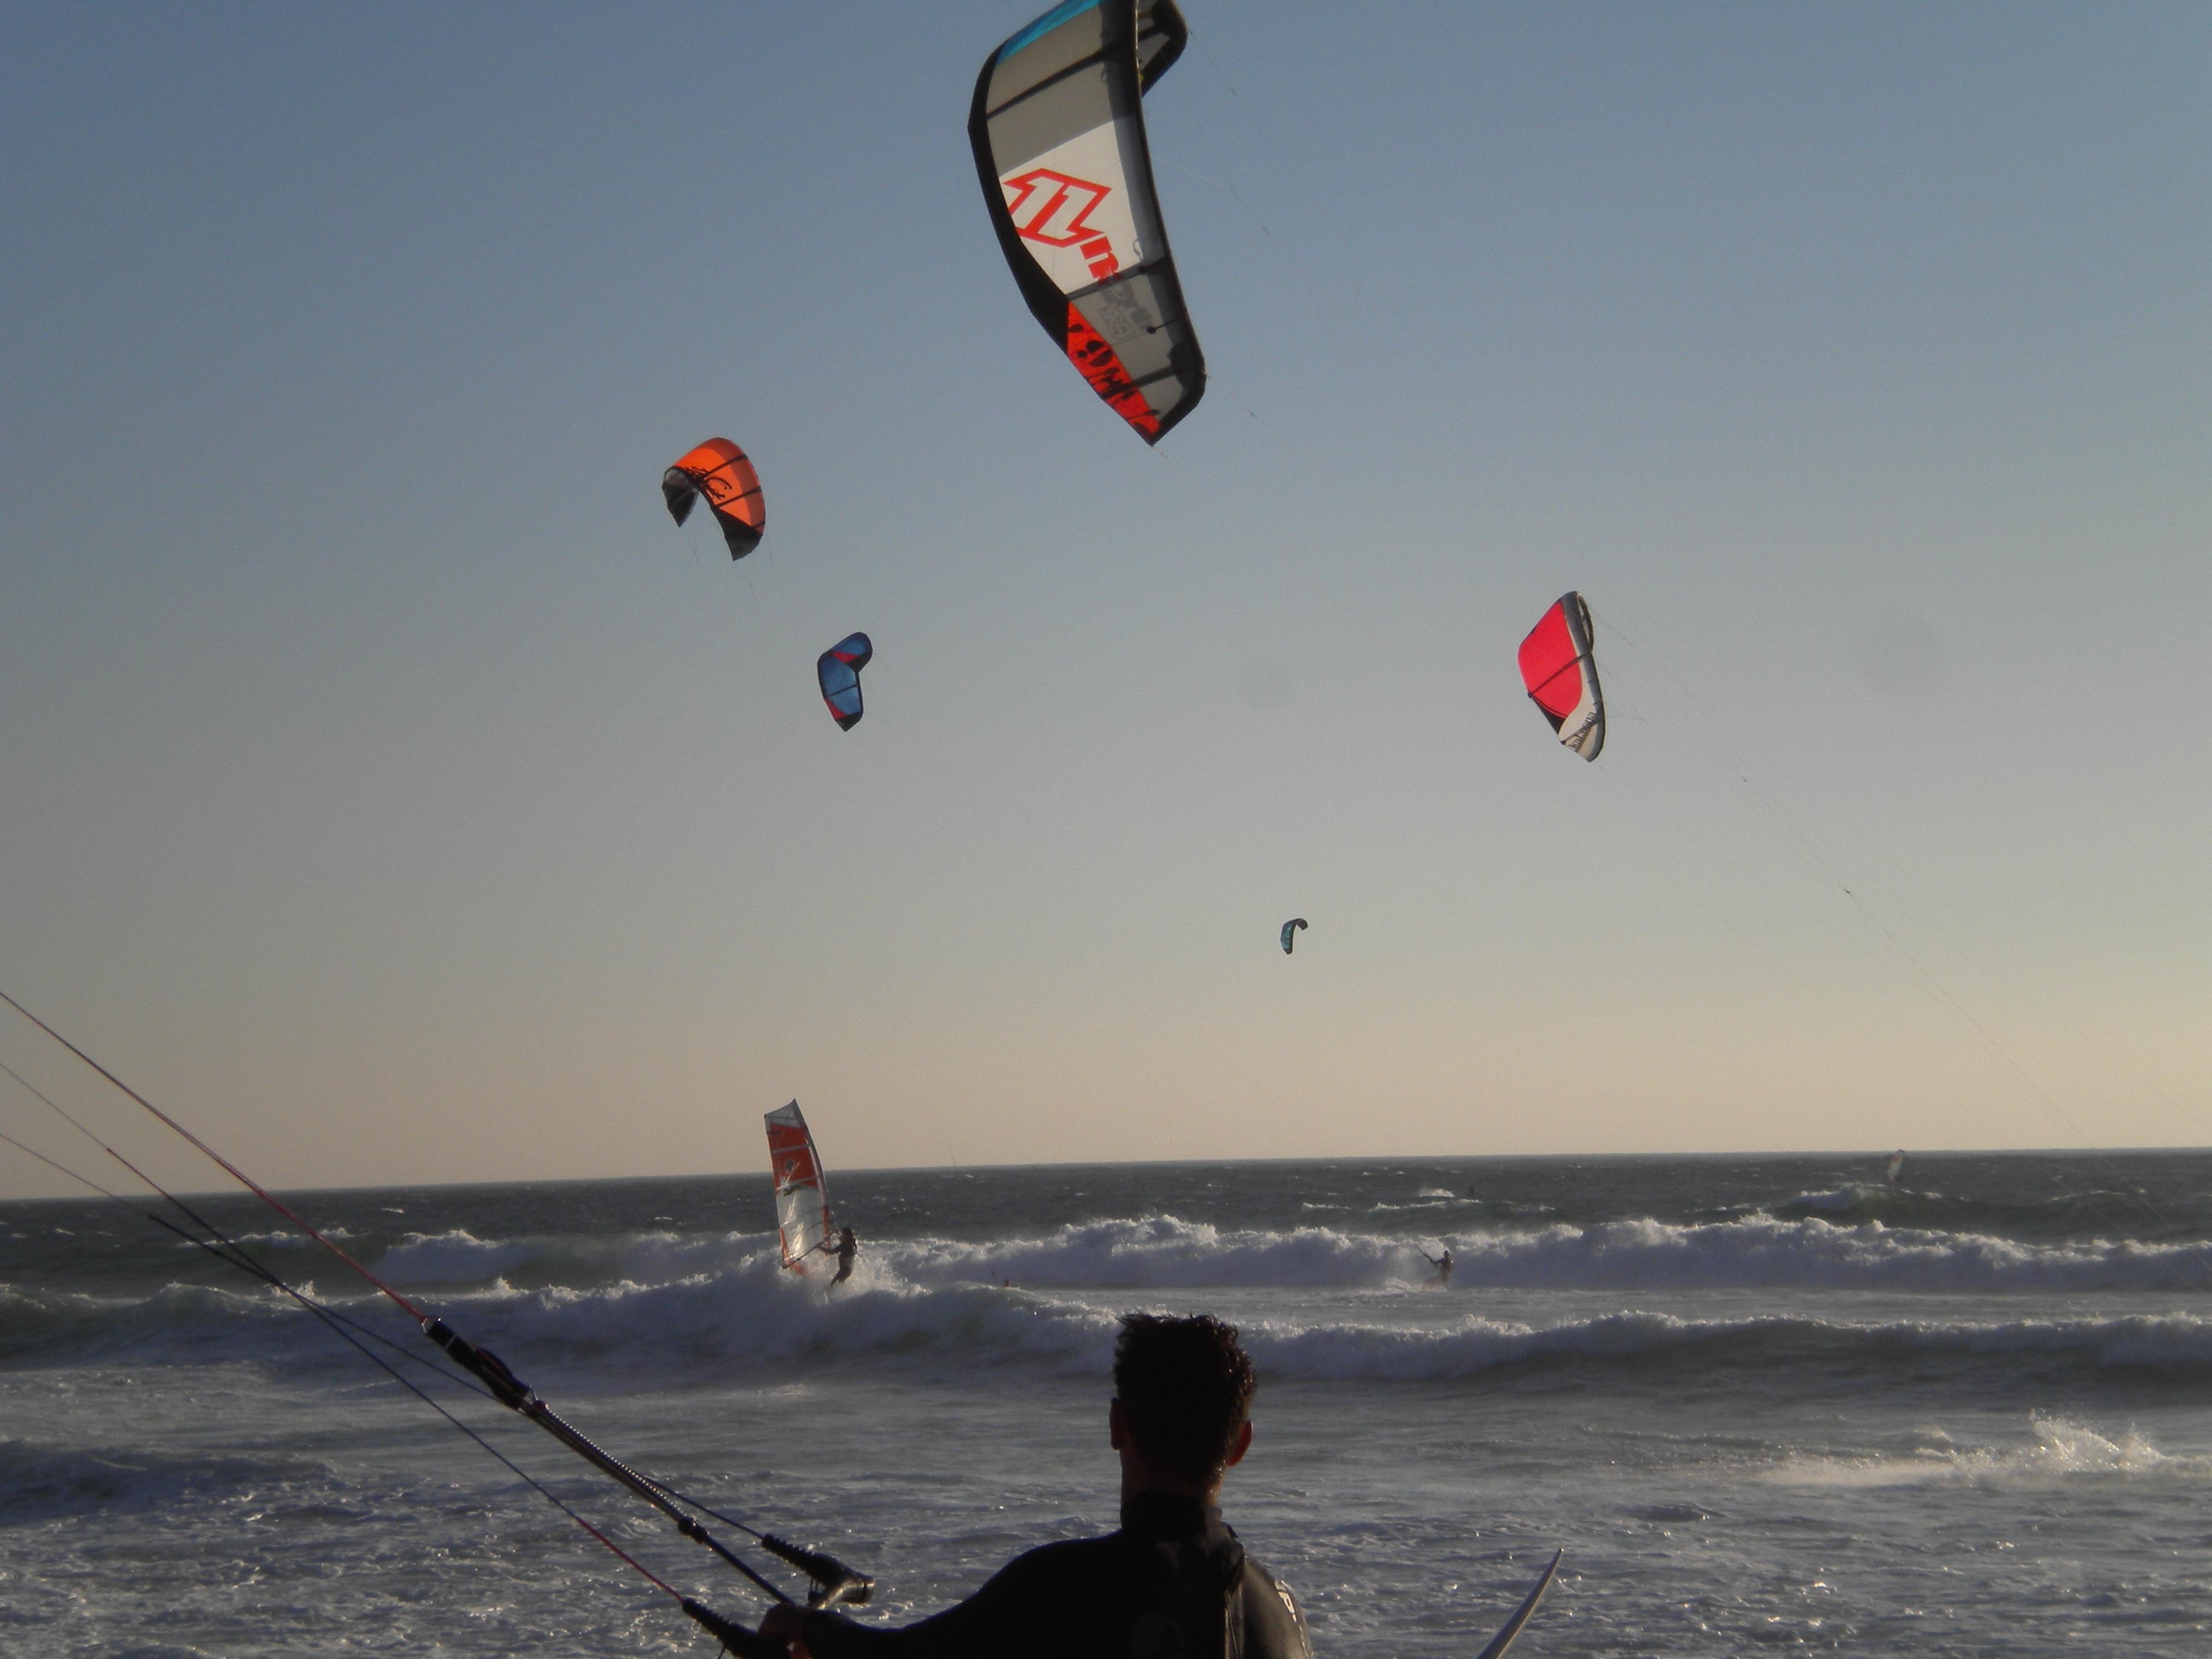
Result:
pixel 1842 1199
pixel 1161 1252
pixel 1756 1252
pixel 753 1314
pixel 2060 1449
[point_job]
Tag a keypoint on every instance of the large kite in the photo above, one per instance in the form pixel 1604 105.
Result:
pixel 720 471
pixel 1058 128
pixel 1558 668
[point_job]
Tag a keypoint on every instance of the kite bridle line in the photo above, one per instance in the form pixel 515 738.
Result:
pixel 834 1581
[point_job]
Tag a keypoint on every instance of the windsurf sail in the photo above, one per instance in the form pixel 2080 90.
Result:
pixel 802 1201
pixel 1057 129
pixel 723 473
pixel 1560 668
pixel 1291 932
pixel 1896 1166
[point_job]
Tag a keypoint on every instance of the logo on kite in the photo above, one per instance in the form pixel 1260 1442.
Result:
pixel 1290 931
pixel 1058 217
pixel 838 669
pixel 1560 668
pixel 720 471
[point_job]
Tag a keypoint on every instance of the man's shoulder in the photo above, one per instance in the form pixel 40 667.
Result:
pixel 1109 1555
pixel 1275 1624
pixel 1065 1554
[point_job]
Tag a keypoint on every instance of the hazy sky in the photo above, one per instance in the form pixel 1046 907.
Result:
pixel 390 789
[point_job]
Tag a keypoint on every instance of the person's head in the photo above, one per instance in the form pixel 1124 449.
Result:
pixel 1182 1396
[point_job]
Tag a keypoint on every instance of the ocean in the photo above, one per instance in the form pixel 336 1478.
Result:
pixel 1762 1403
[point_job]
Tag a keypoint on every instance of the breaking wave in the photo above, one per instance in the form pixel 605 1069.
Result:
pixel 1381 1353
pixel 1760 1252
pixel 719 1297
pixel 754 1318
pixel 456 1257
pixel 2059 1449
pixel 1805 1251
pixel 2109 1210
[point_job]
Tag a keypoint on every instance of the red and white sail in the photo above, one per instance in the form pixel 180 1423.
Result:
pixel 802 1199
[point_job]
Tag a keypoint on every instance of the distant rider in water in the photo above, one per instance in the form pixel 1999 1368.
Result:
pixel 1174 1581
pixel 1443 1267
pixel 847 1247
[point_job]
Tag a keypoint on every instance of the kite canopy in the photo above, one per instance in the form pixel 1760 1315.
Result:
pixel 720 471
pixel 1290 932
pixel 1058 128
pixel 838 669
pixel 1561 674
pixel 802 1202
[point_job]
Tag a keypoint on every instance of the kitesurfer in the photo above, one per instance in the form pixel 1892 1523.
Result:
pixel 1173 1581
pixel 847 1247
pixel 1442 1264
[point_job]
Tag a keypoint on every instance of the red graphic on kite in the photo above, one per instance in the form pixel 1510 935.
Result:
pixel 1054 209
pixel 1098 363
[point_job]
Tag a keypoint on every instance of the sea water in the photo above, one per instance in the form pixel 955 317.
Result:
pixel 1762 1403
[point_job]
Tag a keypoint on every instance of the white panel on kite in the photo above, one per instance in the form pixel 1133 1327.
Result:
pixel 1073 211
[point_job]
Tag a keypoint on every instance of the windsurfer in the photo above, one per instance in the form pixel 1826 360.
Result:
pixel 1442 1264
pixel 1174 1579
pixel 847 1247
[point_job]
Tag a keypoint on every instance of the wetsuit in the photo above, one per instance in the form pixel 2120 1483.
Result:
pixel 1173 1583
pixel 847 1247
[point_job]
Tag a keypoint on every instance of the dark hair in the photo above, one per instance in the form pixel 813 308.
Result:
pixel 1185 1387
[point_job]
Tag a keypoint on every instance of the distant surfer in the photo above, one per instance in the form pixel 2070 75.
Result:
pixel 1173 1580
pixel 1442 1264
pixel 847 1247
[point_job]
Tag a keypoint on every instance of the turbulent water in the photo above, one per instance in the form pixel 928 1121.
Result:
pixel 1762 1403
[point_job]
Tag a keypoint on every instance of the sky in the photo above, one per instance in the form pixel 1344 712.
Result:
pixel 391 791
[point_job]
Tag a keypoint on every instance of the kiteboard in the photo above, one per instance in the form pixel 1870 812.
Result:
pixel 1522 1614
pixel 802 1200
